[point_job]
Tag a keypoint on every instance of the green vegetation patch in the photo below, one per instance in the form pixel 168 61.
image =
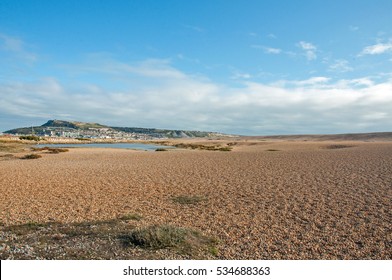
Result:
pixel 161 150
pixel 186 200
pixel 30 138
pixel 181 239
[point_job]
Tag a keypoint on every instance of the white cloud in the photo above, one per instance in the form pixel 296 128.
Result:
pixel 309 48
pixel 340 65
pixel 153 93
pixel 240 75
pixel 377 49
pixel 313 82
pixel 11 43
pixel 17 47
pixel 361 82
pixel 267 50
pixel 272 50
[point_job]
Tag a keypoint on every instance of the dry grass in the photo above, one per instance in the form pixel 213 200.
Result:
pixel 7 157
pixel 107 239
pixel 183 240
pixel 204 147
pixel 12 147
pixel 31 156
pixel 338 146
pixel 50 150
pixel 87 240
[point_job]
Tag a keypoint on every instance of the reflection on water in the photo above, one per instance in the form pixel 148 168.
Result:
pixel 134 146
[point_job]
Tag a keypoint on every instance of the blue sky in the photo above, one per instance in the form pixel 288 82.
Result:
pixel 242 67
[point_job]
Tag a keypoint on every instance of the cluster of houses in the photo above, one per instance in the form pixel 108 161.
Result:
pixel 90 133
pixel 94 133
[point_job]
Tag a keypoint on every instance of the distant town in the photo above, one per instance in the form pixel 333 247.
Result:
pixel 92 133
pixel 95 131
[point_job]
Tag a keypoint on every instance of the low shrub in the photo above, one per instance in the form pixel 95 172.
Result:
pixel 31 156
pixel 158 237
pixel 30 138
pixel 167 236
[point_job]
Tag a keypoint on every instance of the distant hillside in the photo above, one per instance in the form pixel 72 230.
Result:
pixel 95 130
pixel 75 125
pixel 168 133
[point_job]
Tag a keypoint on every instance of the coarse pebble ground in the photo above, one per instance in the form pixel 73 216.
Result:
pixel 262 200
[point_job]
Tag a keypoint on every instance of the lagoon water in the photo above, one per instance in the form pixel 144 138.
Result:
pixel 133 146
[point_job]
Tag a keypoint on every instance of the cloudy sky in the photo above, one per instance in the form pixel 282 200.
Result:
pixel 244 67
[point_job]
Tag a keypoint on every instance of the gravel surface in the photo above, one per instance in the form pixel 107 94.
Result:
pixel 262 200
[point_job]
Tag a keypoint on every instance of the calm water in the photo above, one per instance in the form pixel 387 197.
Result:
pixel 133 146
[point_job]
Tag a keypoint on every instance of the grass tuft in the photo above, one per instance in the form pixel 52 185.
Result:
pixel 31 156
pixel 158 237
pixel 213 251
pixel 338 146
pixel 225 149
pixel 186 200
pixel 161 150
pixel 204 147
pixel 181 239
pixel 50 150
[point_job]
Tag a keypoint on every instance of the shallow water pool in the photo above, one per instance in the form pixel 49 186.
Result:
pixel 132 146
